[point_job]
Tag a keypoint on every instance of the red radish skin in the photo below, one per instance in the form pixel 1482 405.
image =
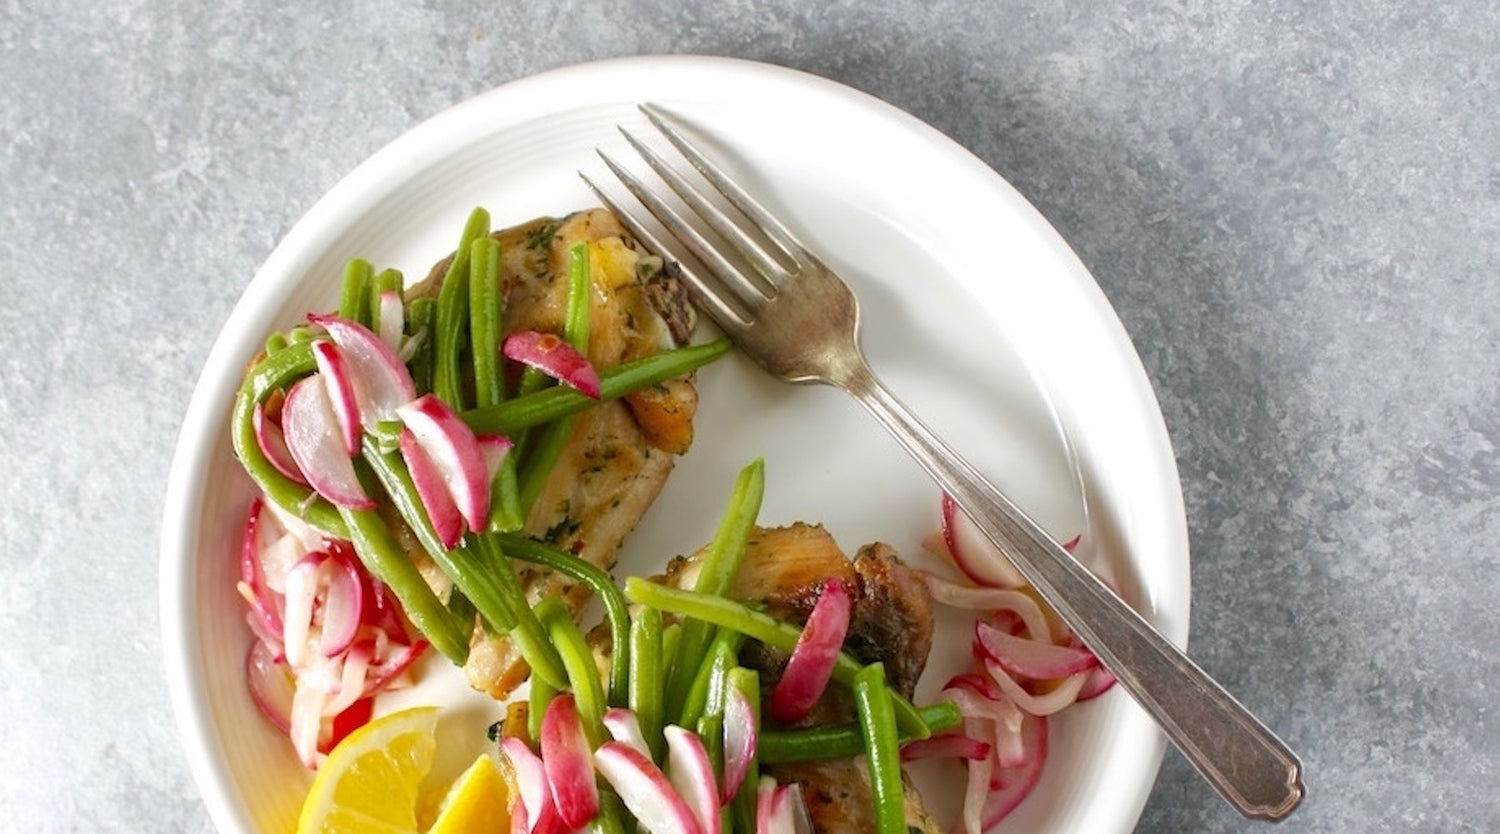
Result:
pixel 381 381
pixel 811 664
pixel 945 746
pixel 1027 658
pixel 974 553
pixel 313 438
pixel 645 790
pixel 456 453
pixel 335 374
pixel 446 521
pixel 273 445
pixel 534 800
pixel 343 604
pixel 566 760
pixel 548 353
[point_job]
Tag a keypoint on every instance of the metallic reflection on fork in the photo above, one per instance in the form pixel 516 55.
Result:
pixel 799 321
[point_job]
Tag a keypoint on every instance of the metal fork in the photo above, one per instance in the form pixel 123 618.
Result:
pixel 799 321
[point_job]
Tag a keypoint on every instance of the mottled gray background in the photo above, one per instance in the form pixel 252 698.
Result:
pixel 1295 208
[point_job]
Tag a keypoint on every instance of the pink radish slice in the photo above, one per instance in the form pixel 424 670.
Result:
pixel 945 746
pixel 270 684
pixel 625 727
pixel 343 605
pixel 780 809
pixel 313 437
pixel 531 780
pixel 973 552
pixel 335 374
pixel 640 784
pixel 447 523
pixel 456 453
pixel 1098 682
pixel 273 445
pixel 381 381
pixel 1027 658
pixel 811 664
pixel 565 757
pixel 1011 785
pixel 396 663
pixel 692 775
pixel 1059 698
pixel 741 738
pixel 549 354
pixel 392 320
pixel 262 601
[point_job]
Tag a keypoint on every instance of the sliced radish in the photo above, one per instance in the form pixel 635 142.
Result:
pixel 1010 785
pixel 646 792
pixel 494 448
pixel 692 774
pixel 741 737
pixel 270 684
pixel 780 809
pixel 388 675
pixel 533 794
pixel 313 437
pixel 381 381
pixel 565 757
pixel 811 664
pixel 945 746
pixel 1065 693
pixel 264 605
pixel 1028 658
pixel 456 453
pixel 547 352
pixel 343 605
pixel 273 445
pixel 391 313
pixel 973 552
pixel 624 726
pixel 447 523
pixel 335 374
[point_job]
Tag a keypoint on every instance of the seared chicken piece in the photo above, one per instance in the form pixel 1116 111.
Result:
pixel 620 452
pixel 891 622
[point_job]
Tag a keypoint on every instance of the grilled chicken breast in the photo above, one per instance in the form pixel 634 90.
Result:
pixel 620 452
pixel 891 622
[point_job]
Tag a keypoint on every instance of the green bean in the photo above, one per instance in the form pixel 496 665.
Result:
pixel 452 314
pixel 420 315
pixel 580 298
pixel 705 690
pixel 877 719
pixel 540 694
pixel 645 683
pixel 505 498
pixel 727 613
pixel 276 341
pixel 616 612
pixel 583 672
pixel 469 574
pixel 716 575
pixel 485 302
pixel 383 558
pixel 528 634
pixel 534 409
pixel 354 301
pixel 837 741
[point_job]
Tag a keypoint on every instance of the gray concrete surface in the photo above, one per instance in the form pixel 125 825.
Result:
pixel 1294 206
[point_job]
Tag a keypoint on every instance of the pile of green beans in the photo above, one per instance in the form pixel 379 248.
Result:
pixel 454 344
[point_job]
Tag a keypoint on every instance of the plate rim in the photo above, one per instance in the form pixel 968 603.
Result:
pixel 382 171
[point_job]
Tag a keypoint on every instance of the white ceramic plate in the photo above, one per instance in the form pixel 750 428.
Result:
pixel 975 312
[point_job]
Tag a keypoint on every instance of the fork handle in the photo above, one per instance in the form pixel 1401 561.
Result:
pixel 1243 760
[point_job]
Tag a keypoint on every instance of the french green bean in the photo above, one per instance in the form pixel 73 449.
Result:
pixel 877 719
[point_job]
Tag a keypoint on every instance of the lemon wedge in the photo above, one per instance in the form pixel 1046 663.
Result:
pixel 369 784
pixel 477 801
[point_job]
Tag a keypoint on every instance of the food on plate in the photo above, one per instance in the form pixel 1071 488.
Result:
pixel 453 466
